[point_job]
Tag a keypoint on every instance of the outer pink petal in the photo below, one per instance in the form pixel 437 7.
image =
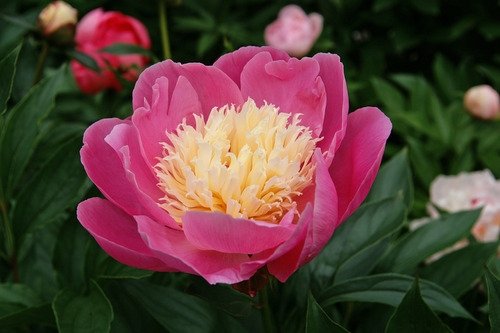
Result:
pixel 153 122
pixel 214 88
pixel 105 169
pixel 337 106
pixel 116 232
pixel 214 266
pixel 293 86
pixel 123 139
pixel 233 63
pixel 88 26
pixel 223 233
pixel 357 161
pixel 317 225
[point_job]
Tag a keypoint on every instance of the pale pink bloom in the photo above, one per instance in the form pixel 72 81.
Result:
pixel 55 16
pixel 225 169
pixel 470 191
pixel 99 29
pixel 483 102
pixel 294 32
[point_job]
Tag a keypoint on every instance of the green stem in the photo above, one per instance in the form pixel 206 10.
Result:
pixel 9 241
pixel 165 42
pixel 41 62
pixel 267 317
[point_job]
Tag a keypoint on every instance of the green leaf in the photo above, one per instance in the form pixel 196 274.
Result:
pixel 20 305
pixel 174 310
pixel 467 263
pixel 493 286
pixel 318 321
pixel 444 74
pixel 20 131
pixel 413 315
pixel 122 48
pixel 394 179
pixel 88 312
pixel 369 224
pixel 58 185
pixel 390 289
pixel 416 246
pixel 206 42
pixel 389 96
pixel 16 297
pixel 85 60
pixel 8 70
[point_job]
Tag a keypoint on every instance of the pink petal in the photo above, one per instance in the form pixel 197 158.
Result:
pixel 215 267
pixel 104 167
pixel 123 139
pixel 116 232
pixel 293 86
pixel 223 233
pixel 214 88
pixel 233 63
pixel 87 26
pixel 316 225
pixel 285 260
pixel 151 122
pixel 332 73
pixel 316 24
pixel 357 161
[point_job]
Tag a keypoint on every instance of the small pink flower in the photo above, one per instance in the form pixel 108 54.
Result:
pixel 483 102
pixel 223 170
pixel 294 32
pixel 99 29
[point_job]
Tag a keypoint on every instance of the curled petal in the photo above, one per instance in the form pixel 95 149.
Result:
pixel 116 232
pixel 357 161
pixel 223 233
pixel 172 245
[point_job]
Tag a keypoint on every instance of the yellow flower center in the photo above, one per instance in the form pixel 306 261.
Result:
pixel 248 162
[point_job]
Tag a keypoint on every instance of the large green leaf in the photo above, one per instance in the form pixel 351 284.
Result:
pixel 20 130
pixel 368 225
pixel 318 321
pixel 8 70
pixel 174 310
pixel 20 305
pixel 88 312
pixel 58 185
pixel 493 286
pixel 467 263
pixel 390 289
pixel 389 95
pixel 437 235
pixel 393 179
pixel 413 315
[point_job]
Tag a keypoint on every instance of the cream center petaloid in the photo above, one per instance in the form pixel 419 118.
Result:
pixel 247 161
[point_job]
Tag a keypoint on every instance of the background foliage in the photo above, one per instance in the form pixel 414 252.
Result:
pixel 414 59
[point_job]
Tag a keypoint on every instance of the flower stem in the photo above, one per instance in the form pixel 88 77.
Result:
pixel 9 241
pixel 165 42
pixel 267 317
pixel 41 62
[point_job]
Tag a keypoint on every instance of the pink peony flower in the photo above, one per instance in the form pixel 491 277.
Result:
pixel 294 32
pixel 99 29
pixel 223 170
pixel 470 191
pixel 482 102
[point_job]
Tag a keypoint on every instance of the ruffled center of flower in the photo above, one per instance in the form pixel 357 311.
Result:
pixel 248 162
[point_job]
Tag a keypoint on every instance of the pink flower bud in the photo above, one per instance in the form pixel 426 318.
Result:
pixel 294 32
pixel 58 18
pixel 482 102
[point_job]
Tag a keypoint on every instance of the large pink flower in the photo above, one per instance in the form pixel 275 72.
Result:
pixel 225 169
